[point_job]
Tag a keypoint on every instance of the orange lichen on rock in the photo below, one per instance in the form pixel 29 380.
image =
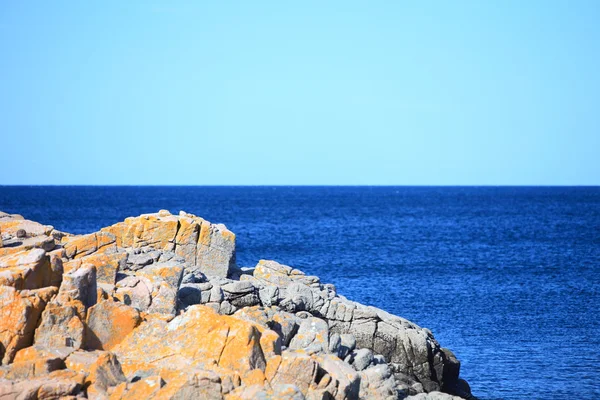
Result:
pixel 84 245
pixel 26 269
pixel 109 322
pixel 36 361
pixel 19 314
pixel 107 265
pixel 254 377
pixel 206 247
pixel 104 373
pixel 198 338
pixel 146 230
pixel 146 388
pixel 10 224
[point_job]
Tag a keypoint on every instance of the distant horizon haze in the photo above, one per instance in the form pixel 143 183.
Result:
pixel 465 93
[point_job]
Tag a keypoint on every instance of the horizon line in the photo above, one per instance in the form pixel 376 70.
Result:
pixel 304 185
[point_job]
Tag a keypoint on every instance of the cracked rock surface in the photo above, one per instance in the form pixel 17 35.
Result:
pixel 155 307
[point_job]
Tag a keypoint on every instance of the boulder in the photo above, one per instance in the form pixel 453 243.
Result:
pixel 206 248
pixel 270 343
pixel 84 245
pixel 10 224
pixel 79 285
pixel 195 384
pixel 108 323
pixel 377 382
pixel 61 325
pixel 199 338
pixel 294 368
pixel 105 372
pixel 35 361
pixel 312 336
pixel 152 289
pixel 145 388
pixel 53 386
pixel 361 359
pixel 241 294
pixel 26 269
pixel 19 314
pixel 107 265
pixel 348 380
pixel 135 291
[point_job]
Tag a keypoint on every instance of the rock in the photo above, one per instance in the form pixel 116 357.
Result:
pixel 107 265
pixel 35 361
pixel 137 261
pixel 287 392
pixel 348 343
pixel 293 368
pixel 56 267
pixel 81 361
pixel 206 248
pixel 61 325
pixel 241 294
pixel 199 338
pixel 101 335
pixel 362 358
pixel 152 289
pixel 272 271
pixel 348 385
pixel 84 245
pixel 169 272
pixel 145 388
pixel 135 289
pixel 192 385
pixel 312 336
pixel 19 314
pixel 47 387
pixel 451 372
pixel 191 293
pixel 164 299
pixel 378 359
pixel 11 224
pixel 377 382
pixel 270 343
pixel 79 285
pixel 26 269
pixel 286 325
pixel 283 323
pixel 162 281
pixel 398 340
pixel 269 295
pixel 21 234
pixel 104 372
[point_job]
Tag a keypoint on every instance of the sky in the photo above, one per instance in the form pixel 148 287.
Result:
pixel 300 93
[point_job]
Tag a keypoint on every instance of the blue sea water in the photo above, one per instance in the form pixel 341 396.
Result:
pixel 507 277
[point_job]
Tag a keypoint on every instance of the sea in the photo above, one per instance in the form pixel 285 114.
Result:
pixel 506 277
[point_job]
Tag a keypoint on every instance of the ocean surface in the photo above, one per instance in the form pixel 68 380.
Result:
pixel 506 277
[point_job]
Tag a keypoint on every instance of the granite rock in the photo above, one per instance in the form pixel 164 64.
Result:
pixel 155 307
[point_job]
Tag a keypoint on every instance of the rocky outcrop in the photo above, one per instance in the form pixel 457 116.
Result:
pixel 155 307
pixel 205 248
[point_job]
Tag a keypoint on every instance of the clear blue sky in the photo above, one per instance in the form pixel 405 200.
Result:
pixel 290 92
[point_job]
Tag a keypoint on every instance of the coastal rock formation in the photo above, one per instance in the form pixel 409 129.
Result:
pixel 155 307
